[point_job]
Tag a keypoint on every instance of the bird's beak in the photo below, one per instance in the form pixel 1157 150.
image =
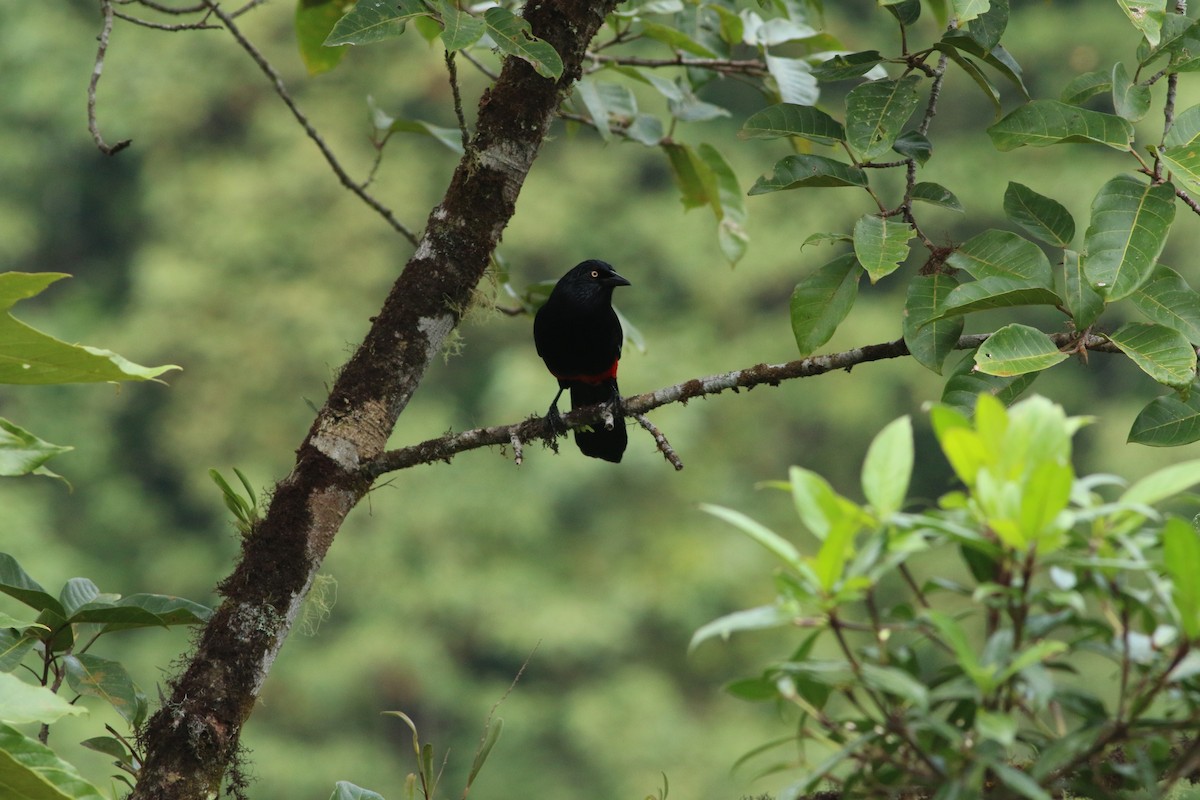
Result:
pixel 614 279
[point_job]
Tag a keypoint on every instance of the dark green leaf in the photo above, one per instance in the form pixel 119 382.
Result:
pixel 1045 218
pixel 14 646
pixel 804 171
pixel 1168 421
pixel 881 245
pixel 1130 100
pixel 973 71
pixel 996 292
pixel 1045 122
pixel 844 67
pixel 1015 350
pixel 1083 87
pixel 373 21
pixel 822 300
pixel 1161 352
pixel 914 145
pixel 1168 300
pixel 996 253
pixel 1129 226
pixel 32 770
pixel 967 10
pixel 930 343
pixel 966 384
pixel 1184 162
pixel 100 677
pixel 788 119
pixel 1185 129
pixel 936 194
pixel 459 28
pixel 1147 16
pixel 1084 302
pixel 16 583
pixel 514 37
pixel 676 39
pixel 688 172
pixel 876 112
pixel 907 11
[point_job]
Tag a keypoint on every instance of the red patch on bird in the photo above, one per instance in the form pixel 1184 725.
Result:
pixel 595 379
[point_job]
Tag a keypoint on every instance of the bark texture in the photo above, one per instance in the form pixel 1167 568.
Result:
pixel 192 739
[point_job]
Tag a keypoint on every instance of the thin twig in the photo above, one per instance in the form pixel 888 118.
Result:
pixel 105 31
pixel 664 446
pixel 539 428
pixel 164 26
pixel 458 109
pixel 723 65
pixel 281 90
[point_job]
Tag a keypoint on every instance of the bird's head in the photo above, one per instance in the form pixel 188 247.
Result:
pixel 599 273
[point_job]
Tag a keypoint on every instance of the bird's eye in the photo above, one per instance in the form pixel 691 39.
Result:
pixel 595 274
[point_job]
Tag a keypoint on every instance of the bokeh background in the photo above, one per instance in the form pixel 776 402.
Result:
pixel 221 242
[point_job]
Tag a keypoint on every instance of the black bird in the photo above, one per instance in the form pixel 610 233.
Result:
pixel 578 335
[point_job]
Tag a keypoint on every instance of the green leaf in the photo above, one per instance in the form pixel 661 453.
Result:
pixel 1003 254
pixel 31 771
pixel 1184 162
pixel 28 356
pixel 314 21
pixel 952 50
pixel 1161 352
pixel 1162 484
pixel 1185 130
pixel 966 384
pixel 22 453
pixel 24 703
pixel 894 681
pixel 1019 782
pixel 995 726
pixel 450 137
pixel 1168 300
pixel 77 593
pixel 688 171
pixel 936 194
pixel 1129 226
pixel 822 300
pixel 726 199
pixel 914 145
pixel 930 342
pixel 515 38
pixel 1016 349
pixel 100 677
pixel 676 39
pixel 1084 302
pixel 995 292
pixel 1083 87
pixel 459 28
pixel 876 112
pixel 145 610
pixel 491 735
pixel 805 171
pixel 16 583
pixel 953 634
pixel 967 10
pixel 1045 122
pixel 753 619
pixel 1168 421
pixel 881 245
pixel 781 548
pixel 1147 16
pixel 888 466
pixel 1130 100
pixel 1181 558
pixel 847 66
pixel 373 21
pixel 789 119
pixel 822 510
pixel 1045 218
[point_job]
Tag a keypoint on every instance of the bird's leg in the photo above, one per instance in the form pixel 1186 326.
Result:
pixel 613 406
pixel 553 417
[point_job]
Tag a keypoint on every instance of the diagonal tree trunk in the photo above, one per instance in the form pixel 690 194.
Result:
pixel 191 740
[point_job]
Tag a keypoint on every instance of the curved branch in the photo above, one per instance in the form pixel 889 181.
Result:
pixel 537 428
pixel 281 90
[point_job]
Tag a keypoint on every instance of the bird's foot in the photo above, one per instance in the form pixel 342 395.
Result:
pixel 613 408
pixel 557 426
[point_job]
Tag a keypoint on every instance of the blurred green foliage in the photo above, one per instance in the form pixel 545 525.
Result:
pixel 220 242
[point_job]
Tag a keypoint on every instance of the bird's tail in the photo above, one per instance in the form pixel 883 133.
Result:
pixel 600 442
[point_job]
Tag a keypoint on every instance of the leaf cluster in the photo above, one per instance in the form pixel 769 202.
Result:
pixel 52 645
pixel 914 679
